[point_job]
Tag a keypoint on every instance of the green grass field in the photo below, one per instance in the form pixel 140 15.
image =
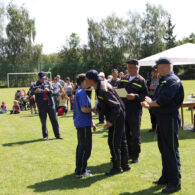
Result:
pixel 29 165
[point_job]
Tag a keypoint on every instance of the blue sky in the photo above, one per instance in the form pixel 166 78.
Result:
pixel 56 19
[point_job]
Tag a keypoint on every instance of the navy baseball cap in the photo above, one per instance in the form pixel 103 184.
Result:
pixel 154 68
pixel 93 75
pixel 133 61
pixel 163 61
pixel 42 75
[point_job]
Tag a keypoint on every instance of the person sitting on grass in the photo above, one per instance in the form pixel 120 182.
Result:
pixel 62 104
pixel 83 122
pixel 16 108
pixel 3 108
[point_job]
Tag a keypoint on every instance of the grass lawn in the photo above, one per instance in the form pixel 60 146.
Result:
pixel 29 165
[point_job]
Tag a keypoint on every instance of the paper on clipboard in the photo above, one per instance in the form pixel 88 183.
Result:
pixel 121 92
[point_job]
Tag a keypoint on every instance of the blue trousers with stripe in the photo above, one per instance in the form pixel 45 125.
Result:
pixel 45 109
pixel 117 139
pixel 167 131
pixel 83 150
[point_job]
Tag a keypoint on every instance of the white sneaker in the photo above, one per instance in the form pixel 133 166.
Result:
pixel 87 174
pixel 87 170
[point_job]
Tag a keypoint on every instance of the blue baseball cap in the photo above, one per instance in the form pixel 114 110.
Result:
pixel 93 75
pixel 163 61
pixel 42 75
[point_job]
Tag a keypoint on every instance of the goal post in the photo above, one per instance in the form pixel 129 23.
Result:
pixel 24 73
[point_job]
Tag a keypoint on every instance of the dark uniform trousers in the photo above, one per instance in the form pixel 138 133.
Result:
pixel 44 108
pixel 117 139
pixel 153 120
pixel 101 117
pixel 167 131
pixel 132 125
pixel 83 150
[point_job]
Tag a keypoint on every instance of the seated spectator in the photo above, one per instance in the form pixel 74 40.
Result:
pixel 20 96
pixel 62 104
pixel 15 108
pixel 3 108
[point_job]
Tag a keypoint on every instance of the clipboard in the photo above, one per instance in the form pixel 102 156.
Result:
pixel 121 92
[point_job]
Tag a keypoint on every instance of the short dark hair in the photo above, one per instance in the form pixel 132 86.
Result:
pixel 132 61
pixel 114 70
pixel 80 78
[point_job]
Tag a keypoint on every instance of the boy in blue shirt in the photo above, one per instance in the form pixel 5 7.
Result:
pixel 83 122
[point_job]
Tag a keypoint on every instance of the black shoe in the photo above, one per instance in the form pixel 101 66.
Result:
pixel 171 189
pixel 160 182
pixel 59 138
pixel 193 130
pixel 114 171
pixel 151 130
pixel 45 138
pixel 126 168
pixel 135 160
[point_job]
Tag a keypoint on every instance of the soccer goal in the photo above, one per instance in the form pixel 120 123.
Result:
pixel 24 73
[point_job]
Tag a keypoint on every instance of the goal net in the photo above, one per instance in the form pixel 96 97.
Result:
pixel 23 79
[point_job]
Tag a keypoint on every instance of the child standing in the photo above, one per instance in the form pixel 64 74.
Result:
pixel 83 122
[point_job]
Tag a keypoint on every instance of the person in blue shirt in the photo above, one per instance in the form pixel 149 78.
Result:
pixel 165 104
pixel 83 122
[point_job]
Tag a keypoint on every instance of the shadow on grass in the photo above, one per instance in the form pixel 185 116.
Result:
pixel 70 181
pixel 99 131
pixel 29 115
pixel 147 136
pixel 26 142
pixel 150 190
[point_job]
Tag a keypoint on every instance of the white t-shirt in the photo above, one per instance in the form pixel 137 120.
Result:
pixel 56 88
pixel 68 89
pixel 131 78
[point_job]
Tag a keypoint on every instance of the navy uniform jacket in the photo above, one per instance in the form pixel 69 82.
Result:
pixel 114 83
pixel 136 86
pixel 169 94
pixel 110 103
pixel 42 97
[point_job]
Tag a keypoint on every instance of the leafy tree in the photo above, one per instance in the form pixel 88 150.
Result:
pixel 2 12
pixel 153 30
pixel 70 58
pixel 17 49
pixel 106 43
pixel 133 35
pixel 190 39
pixel 169 37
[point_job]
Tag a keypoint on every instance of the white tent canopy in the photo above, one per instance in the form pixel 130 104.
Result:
pixel 180 55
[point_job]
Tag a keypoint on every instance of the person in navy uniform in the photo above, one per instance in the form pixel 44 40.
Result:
pixel 167 100
pixel 136 88
pixel 113 108
pixel 42 90
pixel 152 84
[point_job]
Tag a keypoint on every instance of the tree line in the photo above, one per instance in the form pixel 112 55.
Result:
pixel 111 42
